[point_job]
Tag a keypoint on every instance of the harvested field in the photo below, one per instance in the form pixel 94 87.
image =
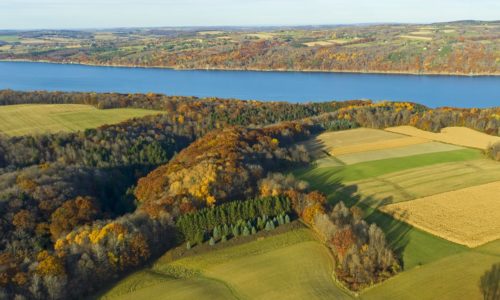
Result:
pixel 384 144
pixel 453 135
pixel 385 153
pixel 326 142
pixel 469 216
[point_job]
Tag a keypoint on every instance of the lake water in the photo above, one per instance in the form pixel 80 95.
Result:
pixel 432 91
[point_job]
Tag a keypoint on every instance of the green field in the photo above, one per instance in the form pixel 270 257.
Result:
pixel 452 277
pixel 291 265
pixel 376 168
pixel 425 148
pixel 26 119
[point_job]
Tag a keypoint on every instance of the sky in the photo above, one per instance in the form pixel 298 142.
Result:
pixel 69 14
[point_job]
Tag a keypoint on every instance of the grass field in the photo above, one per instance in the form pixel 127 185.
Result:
pixel 453 277
pixel 49 118
pixel 393 152
pixel 453 135
pixel 376 168
pixel 291 265
pixel 467 216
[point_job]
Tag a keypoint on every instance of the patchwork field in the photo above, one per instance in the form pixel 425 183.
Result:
pixel 453 135
pixel 463 180
pixel 425 181
pixel 369 169
pixel 467 216
pixel 355 141
pixel 32 118
pixel 292 265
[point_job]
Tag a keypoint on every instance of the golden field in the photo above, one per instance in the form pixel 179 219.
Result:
pixel 384 144
pixel 453 135
pixel 469 216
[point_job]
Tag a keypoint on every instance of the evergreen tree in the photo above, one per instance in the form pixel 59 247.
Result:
pixel 188 245
pixel 287 219
pixel 254 231
pixel 268 226
pixel 216 233
pixel 224 239
pixel 246 232
pixel 212 241
pixel 236 231
pixel 199 237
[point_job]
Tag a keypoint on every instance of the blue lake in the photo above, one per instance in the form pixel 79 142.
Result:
pixel 433 91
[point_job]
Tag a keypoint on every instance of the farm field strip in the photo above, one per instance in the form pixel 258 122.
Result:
pixel 376 168
pixel 394 152
pixel 50 118
pixel 427 181
pixel 352 137
pixel 468 216
pixel 379 145
pixel 453 135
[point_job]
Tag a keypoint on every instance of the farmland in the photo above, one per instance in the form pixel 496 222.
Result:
pixel 446 48
pixel 459 216
pixel 301 268
pixel 452 135
pixel 31 119
pixel 298 259
pixel 461 183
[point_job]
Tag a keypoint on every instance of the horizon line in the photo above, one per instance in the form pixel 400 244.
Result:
pixel 248 26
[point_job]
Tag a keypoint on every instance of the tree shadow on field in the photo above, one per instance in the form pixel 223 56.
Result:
pixel 397 232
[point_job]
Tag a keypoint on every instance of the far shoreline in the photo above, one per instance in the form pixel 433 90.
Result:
pixel 258 70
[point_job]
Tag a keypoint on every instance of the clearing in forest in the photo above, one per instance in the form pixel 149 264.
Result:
pixel 462 136
pixel 16 120
pixel 468 216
